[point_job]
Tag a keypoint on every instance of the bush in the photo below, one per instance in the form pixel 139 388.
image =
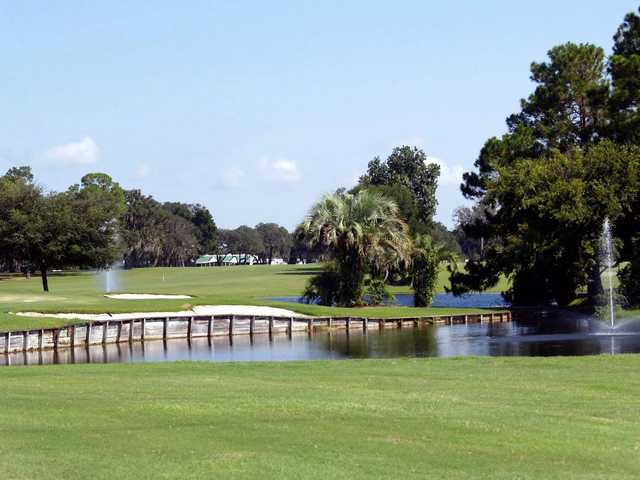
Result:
pixel 377 292
pixel 323 288
pixel 629 277
pixel 424 270
pixel 424 283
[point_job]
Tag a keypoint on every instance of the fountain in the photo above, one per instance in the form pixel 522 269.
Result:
pixel 608 260
pixel 606 304
pixel 109 279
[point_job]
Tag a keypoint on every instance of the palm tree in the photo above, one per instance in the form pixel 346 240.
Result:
pixel 426 258
pixel 361 233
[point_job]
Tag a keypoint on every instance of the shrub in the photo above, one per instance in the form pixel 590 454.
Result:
pixel 377 292
pixel 629 277
pixel 323 288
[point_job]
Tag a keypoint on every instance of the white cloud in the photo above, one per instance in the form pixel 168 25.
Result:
pixel 83 152
pixel 232 177
pixel 143 170
pixel 449 175
pixel 280 170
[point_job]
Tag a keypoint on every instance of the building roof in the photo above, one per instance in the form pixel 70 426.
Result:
pixel 227 258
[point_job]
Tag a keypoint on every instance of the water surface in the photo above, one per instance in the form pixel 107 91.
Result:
pixel 441 300
pixel 536 335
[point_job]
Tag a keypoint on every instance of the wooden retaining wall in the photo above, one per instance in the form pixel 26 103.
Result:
pixel 165 328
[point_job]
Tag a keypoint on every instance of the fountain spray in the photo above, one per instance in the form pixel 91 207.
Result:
pixel 109 279
pixel 608 252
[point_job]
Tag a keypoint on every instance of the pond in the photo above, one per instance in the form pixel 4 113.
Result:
pixel 448 300
pixel 535 335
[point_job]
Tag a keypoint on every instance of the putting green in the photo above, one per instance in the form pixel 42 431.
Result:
pixel 240 285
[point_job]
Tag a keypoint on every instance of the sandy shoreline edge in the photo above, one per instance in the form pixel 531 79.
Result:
pixel 197 310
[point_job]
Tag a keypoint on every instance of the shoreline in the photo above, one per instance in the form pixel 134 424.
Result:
pixel 252 310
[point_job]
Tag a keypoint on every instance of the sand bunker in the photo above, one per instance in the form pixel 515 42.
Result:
pixel 146 296
pixel 198 310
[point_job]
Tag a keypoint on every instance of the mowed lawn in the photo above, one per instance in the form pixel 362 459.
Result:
pixel 525 418
pixel 83 292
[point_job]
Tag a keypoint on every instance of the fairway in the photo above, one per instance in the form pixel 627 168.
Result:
pixel 245 285
pixel 524 418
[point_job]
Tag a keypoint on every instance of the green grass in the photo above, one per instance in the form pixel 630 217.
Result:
pixel 81 292
pixel 525 418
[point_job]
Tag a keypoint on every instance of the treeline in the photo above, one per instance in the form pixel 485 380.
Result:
pixel 570 160
pixel 266 241
pixel 380 232
pixel 173 234
pixel 98 224
pixel 164 234
pixel 40 231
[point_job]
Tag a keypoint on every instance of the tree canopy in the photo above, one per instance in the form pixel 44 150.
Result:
pixel 154 235
pixel 200 217
pixel 276 241
pixel 75 228
pixel 407 175
pixel 566 163
pixel 360 233
pixel 624 69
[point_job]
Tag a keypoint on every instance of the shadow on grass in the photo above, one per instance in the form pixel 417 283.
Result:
pixel 13 276
pixel 10 276
pixel 75 273
pixel 307 272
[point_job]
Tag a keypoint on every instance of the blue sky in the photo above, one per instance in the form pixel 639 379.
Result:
pixel 257 108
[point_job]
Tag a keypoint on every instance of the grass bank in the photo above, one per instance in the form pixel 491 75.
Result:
pixel 527 418
pixel 244 285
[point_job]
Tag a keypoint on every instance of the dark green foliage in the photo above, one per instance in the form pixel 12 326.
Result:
pixel 75 228
pixel 443 236
pixel 242 240
pixel 23 174
pixel 469 232
pixel 423 274
pixel 377 292
pixel 300 250
pixel 546 232
pixel 360 233
pixel 425 261
pixel 351 270
pixel 545 187
pixel 406 202
pixel 326 288
pixel 407 167
pixel 629 277
pixel 276 241
pixel 627 37
pixel 154 235
pixel 569 105
pixel 520 142
pixel 20 200
pixel 200 217
pixel 410 180
pixel 94 208
pixel 323 288
pixel 624 68
pixel 568 109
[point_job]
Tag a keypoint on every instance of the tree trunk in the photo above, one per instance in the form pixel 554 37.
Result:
pixel 45 279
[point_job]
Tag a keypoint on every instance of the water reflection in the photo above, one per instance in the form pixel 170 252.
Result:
pixel 448 300
pixel 538 335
